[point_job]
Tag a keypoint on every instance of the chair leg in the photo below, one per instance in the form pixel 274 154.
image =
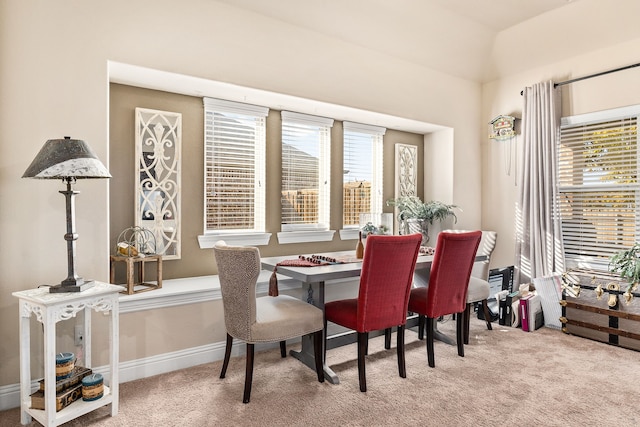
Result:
pixel 283 349
pixel 430 336
pixel 402 369
pixel 227 356
pixel 366 346
pixel 324 340
pixel 248 378
pixel 487 315
pixel 363 338
pixel 460 334
pixel 420 327
pixel 317 349
pixel 387 338
pixel 467 320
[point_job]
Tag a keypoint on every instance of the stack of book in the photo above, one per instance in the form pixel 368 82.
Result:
pixel 508 309
pixel 521 308
pixel 531 312
pixel 68 390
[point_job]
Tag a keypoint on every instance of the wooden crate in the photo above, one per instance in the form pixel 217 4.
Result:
pixel 605 316
pixel 135 272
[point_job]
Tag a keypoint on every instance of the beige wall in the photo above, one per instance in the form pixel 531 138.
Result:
pixel 500 188
pixel 54 82
pixel 149 333
pixel 123 101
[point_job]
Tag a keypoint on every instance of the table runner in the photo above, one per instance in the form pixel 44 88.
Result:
pixel 301 261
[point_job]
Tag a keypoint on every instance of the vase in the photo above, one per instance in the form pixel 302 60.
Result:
pixel 417 225
pixel 360 247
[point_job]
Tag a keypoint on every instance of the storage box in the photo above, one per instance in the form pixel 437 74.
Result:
pixel 76 376
pixel 135 272
pixel 63 398
pixel 594 306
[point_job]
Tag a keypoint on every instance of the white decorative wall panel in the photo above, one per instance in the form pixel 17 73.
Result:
pixel 158 170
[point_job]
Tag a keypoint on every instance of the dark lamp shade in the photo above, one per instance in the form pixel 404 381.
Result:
pixel 66 158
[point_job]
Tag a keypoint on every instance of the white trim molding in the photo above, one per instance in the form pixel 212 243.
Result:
pixel 150 366
pixel 349 233
pixel 207 241
pixel 305 236
pixel 193 290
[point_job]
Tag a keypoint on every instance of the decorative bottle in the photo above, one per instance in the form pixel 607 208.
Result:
pixel 359 247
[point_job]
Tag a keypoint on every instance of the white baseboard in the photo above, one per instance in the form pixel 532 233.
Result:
pixel 149 366
pixel 9 396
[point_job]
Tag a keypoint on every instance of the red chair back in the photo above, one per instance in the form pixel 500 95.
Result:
pixel 385 281
pixel 450 271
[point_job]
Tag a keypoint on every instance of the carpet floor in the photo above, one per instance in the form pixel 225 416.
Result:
pixel 507 377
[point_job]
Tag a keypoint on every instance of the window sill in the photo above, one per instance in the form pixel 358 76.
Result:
pixel 349 233
pixel 305 236
pixel 192 290
pixel 196 290
pixel 207 241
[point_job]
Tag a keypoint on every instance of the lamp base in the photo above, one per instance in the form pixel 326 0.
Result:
pixel 71 288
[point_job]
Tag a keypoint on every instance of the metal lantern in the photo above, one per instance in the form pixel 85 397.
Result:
pixel 136 242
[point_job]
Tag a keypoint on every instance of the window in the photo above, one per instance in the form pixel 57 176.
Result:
pixel 234 167
pixel 362 172
pixel 598 185
pixel 306 147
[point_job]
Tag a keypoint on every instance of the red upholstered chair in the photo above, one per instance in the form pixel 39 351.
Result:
pixel 448 284
pixel 385 283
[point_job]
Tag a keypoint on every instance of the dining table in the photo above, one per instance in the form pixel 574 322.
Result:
pixel 313 280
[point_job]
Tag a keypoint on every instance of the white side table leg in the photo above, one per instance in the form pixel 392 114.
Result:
pixel 49 325
pixel 86 342
pixel 115 352
pixel 25 364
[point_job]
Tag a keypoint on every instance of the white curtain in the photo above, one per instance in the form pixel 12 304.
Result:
pixel 539 250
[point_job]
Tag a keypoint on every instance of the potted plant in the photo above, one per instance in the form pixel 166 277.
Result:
pixel 414 215
pixel 369 228
pixel 627 264
pixel 375 223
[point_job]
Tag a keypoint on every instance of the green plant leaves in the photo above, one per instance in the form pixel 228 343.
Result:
pixel 413 207
pixel 627 263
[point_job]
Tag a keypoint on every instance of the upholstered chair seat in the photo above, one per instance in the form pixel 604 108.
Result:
pixel 274 319
pixel 478 289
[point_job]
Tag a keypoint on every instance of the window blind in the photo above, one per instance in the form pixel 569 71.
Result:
pixel 234 166
pixel 362 171
pixel 306 144
pixel 598 186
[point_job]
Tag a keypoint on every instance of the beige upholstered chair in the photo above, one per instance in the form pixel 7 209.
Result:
pixel 479 289
pixel 263 319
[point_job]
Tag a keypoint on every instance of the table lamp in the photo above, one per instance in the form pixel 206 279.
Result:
pixel 68 159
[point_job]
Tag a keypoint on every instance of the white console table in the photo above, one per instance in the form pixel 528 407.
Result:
pixel 49 309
